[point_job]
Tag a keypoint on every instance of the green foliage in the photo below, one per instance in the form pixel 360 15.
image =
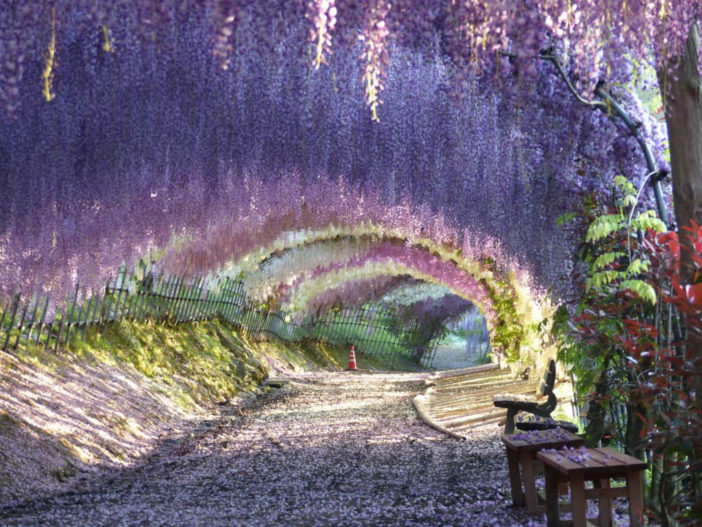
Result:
pixel 606 259
pixel 621 344
pixel 603 226
pixel 647 220
pixel 564 219
pixel 641 288
pixel 608 234
pixel 602 279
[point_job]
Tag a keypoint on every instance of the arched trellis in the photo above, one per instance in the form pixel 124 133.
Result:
pixel 372 252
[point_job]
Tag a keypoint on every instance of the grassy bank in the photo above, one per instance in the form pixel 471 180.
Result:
pixel 114 396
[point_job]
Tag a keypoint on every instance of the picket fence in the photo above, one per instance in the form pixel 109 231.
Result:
pixel 372 329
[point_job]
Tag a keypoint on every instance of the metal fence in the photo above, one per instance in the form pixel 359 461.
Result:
pixel 372 329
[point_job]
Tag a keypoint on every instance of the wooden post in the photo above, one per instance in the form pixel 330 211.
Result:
pixel 171 292
pixel 635 495
pixel 130 302
pixel 164 306
pixel 181 296
pixel 205 305
pixel 15 304
pixel 58 334
pixel 228 303
pixel 604 503
pixel 141 301
pixel 19 328
pixel 34 317
pixel 189 300
pixel 106 305
pixel 49 329
pixel 188 296
pixel 195 301
pixel 173 299
pixel 87 312
pixel 123 288
pixel 148 303
pixel 2 318
pixel 41 322
pixel 95 309
pixel 552 505
pixel 69 321
pixel 515 482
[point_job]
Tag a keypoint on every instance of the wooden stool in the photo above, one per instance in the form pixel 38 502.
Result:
pixel 521 454
pixel 597 465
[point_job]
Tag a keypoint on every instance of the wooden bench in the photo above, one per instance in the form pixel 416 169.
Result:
pixel 598 465
pixel 523 463
pixel 517 404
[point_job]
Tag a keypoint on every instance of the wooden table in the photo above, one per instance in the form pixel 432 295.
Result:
pixel 521 454
pixel 597 465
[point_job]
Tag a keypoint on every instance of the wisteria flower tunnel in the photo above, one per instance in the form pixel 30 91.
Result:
pixel 156 153
pixel 428 158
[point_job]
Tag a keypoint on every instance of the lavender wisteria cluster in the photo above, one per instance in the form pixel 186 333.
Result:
pixel 150 148
pixel 579 455
pixel 543 436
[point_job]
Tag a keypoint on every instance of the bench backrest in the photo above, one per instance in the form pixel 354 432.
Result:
pixel 549 379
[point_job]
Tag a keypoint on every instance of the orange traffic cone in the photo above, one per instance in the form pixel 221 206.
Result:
pixel 352 360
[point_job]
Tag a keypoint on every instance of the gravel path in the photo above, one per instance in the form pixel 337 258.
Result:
pixel 331 449
pixel 452 354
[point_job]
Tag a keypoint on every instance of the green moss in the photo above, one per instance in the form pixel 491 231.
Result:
pixel 7 422
pixel 197 362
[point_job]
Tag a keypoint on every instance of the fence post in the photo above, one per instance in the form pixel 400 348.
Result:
pixel 130 302
pixel 15 304
pixel 70 317
pixel 181 295
pixel 2 319
pixel 141 301
pixel 122 289
pixel 58 335
pixel 195 298
pixel 173 298
pixel 95 309
pixel 87 307
pixel 41 322
pixel 165 303
pixel 106 305
pixel 19 328
pixel 203 306
pixel 49 327
pixel 34 317
pixel 148 303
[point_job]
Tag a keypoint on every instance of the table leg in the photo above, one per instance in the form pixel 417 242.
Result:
pixel 605 503
pixel 552 506
pixel 515 481
pixel 577 497
pixel 635 491
pixel 526 463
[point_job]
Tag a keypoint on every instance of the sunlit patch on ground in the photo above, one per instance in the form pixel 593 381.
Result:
pixel 326 449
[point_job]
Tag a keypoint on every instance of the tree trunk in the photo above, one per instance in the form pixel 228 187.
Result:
pixel 682 90
pixel 684 121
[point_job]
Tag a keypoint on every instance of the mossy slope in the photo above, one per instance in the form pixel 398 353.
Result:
pixel 113 395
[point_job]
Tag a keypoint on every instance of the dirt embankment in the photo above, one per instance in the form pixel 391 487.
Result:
pixel 117 395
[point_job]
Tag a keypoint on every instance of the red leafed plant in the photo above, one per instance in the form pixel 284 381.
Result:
pixel 634 348
pixel 673 426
